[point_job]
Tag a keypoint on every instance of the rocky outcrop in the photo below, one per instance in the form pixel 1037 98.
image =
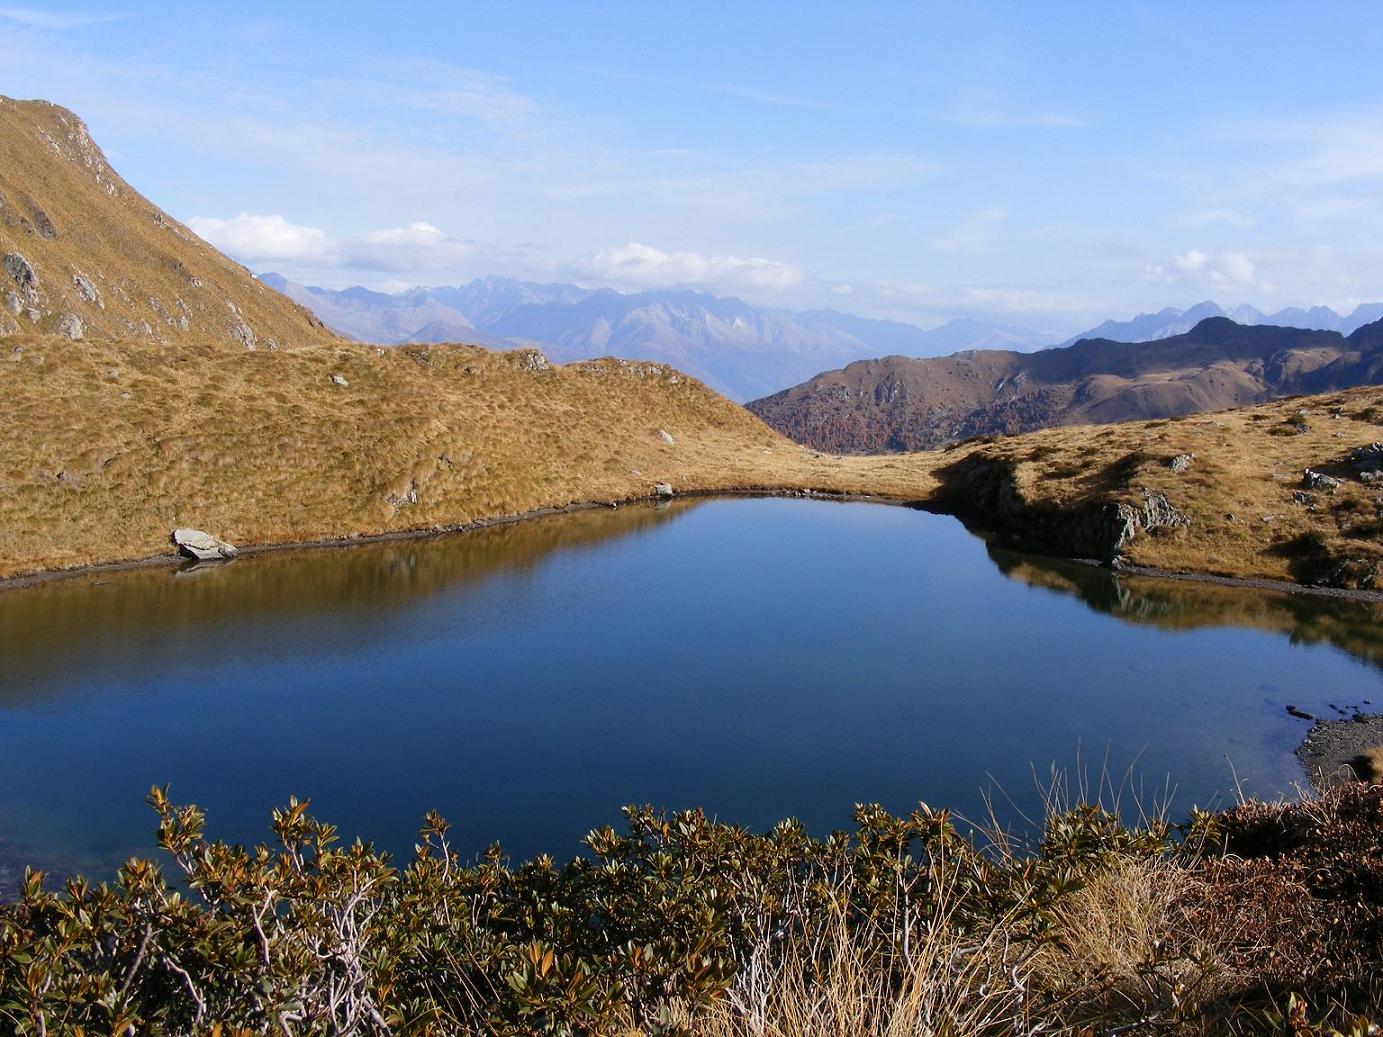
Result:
pixel 986 492
pixel 201 546
pixel 21 272
pixel 662 489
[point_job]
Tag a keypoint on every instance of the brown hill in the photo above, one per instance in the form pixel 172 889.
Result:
pixel 896 403
pixel 83 254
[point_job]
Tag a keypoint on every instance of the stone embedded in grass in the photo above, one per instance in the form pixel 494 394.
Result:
pixel 665 436
pixel 662 489
pixel 71 326
pixel 1314 480
pixel 202 546
pixel 1180 462
pixel 86 288
pixel 339 379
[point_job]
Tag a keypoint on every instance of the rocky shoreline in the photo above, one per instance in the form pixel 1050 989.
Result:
pixel 1334 750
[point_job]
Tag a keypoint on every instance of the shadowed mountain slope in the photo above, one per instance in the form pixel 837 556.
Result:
pixel 899 404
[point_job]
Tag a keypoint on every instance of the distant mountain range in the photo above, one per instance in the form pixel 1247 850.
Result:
pixel 1148 327
pixel 897 403
pixel 741 350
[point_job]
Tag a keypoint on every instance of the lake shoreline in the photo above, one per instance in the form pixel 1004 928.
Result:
pixel 173 559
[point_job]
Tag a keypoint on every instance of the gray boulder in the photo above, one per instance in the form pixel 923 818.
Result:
pixel 662 489
pixel 202 546
pixel 1180 462
pixel 71 326
pixel 1314 480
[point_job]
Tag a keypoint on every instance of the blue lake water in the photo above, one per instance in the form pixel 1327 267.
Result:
pixel 759 658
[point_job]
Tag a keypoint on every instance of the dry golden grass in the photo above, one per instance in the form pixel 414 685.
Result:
pixel 106 446
pixel 956 984
pixel 1239 490
pixel 1372 760
pixel 1127 945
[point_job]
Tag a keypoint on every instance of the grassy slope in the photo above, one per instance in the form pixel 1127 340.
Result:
pixel 107 446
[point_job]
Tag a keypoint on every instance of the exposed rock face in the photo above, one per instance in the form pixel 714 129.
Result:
pixel 23 275
pixel 202 546
pixel 532 360
pixel 987 492
pixel 1367 459
pixel 1180 463
pixel 86 288
pixel 241 332
pixel 1158 513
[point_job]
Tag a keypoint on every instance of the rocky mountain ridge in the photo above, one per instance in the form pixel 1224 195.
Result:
pixel 896 403
pixel 737 348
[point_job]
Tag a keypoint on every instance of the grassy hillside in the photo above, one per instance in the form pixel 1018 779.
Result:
pixel 111 444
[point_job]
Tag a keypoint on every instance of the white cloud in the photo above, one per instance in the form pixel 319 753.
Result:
pixel 974 236
pixel 638 265
pixel 254 239
pixel 1197 269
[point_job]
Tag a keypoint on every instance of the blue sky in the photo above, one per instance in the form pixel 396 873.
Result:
pixel 1042 164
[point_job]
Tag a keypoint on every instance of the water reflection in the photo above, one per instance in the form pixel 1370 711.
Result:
pixel 759 658
pixel 54 632
pixel 1353 626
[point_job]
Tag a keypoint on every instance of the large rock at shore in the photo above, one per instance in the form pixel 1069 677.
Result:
pixel 202 546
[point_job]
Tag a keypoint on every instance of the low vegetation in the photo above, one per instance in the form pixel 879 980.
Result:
pixel 1265 919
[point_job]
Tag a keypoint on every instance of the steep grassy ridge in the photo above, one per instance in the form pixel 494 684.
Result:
pixel 83 254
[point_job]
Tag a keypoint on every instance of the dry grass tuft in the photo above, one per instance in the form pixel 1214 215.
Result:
pixel 1372 764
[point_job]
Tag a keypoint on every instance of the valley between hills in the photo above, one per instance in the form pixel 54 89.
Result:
pixel 149 382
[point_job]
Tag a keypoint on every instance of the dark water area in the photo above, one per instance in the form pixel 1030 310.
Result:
pixel 758 658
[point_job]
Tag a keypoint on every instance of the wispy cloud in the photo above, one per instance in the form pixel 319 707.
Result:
pixel 638 265
pixel 973 236
pixel 744 93
pixel 38 18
